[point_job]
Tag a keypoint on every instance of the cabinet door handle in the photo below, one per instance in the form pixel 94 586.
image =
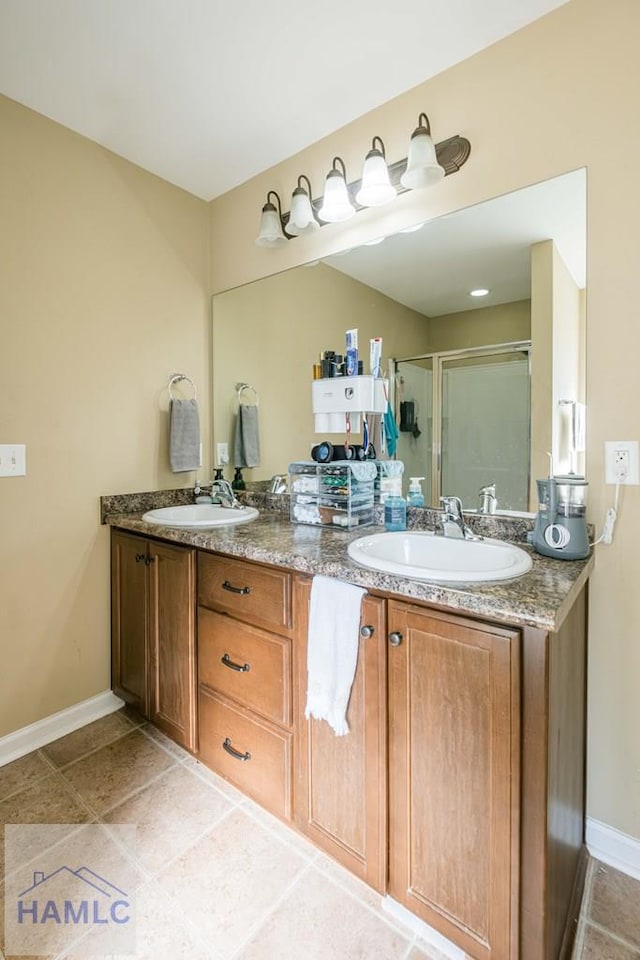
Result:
pixel 150 559
pixel 141 558
pixel 235 753
pixel 229 586
pixel 228 662
pixel 367 631
pixel 395 638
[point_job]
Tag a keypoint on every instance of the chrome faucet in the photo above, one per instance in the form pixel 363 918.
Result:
pixel 453 524
pixel 487 500
pixel 222 493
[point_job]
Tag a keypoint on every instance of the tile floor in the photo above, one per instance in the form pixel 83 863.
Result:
pixel 217 878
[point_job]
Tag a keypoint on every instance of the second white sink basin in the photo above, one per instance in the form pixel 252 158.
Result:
pixel 200 515
pixel 422 556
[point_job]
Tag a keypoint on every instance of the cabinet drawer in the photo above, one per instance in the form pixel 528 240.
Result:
pixel 248 751
pixel 246 590
pixel 246 664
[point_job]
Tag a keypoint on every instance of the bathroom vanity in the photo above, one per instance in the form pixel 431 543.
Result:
pixel 459 790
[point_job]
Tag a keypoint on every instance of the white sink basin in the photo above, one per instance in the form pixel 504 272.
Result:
pixel 423 556
pixel 200 515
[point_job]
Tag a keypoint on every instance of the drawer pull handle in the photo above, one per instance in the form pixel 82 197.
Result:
pixel 395 638
pixel 230 587
pixel 228 662
pixel 235 753
pixel 367 631
pixel 140 558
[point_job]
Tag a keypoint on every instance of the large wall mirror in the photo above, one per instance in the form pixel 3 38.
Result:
pixel 506 366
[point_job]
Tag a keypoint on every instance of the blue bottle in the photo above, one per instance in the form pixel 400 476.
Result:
pixel 395 509
pixel 415 497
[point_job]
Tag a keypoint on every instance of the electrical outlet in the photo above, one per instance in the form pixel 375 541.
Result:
pixel 13 460
pixel 222 454
pixel 621 462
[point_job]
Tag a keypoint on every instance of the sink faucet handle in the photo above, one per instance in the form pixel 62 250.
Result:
pixel 452 506
pixel 487 501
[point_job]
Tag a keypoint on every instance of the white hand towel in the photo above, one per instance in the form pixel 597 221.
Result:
pixel 332 651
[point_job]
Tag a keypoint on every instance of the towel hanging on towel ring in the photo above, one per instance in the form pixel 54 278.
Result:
pixel 246 447
pixel 185 449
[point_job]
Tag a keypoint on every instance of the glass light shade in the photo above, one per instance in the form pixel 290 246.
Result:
pixel 376 187
pixel 423 169
pixel 301 218
pixel 270 233
pixel 336 205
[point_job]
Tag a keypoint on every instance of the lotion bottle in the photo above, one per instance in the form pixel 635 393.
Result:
pixel 415 497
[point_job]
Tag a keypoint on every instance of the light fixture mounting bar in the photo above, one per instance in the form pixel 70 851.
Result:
pixel 452 154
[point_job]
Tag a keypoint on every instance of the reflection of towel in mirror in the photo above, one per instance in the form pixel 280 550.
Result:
pixel 332 651
pixel 246 448
pixel 391 432
pixel 184 436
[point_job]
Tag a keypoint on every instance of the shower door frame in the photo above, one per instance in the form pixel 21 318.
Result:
pixel 438 359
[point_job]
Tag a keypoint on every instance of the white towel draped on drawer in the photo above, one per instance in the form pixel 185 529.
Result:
pixel 332 651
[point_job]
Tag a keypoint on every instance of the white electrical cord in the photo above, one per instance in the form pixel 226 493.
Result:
pixel 610 519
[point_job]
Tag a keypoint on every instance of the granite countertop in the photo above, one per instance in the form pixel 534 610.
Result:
pixel 540 598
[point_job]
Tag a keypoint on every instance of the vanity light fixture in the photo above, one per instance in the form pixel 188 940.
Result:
pixel 425 166
pixel 376 187
pixel 423 169
pixel 480 292
pixel 271 233
pixel 336 203
pixel 302 219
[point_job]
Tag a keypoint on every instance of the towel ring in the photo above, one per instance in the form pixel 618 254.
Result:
pixel 241 387
pixel 178 378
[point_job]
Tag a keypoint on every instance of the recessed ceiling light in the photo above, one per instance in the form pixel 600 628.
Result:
pixel 480 292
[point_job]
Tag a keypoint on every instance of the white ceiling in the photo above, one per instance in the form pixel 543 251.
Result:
pixel 487 245
pixel 206 93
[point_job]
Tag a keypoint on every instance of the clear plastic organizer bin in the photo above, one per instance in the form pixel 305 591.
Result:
pixel 338 494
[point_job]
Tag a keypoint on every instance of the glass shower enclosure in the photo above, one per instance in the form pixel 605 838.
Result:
pixel 464 419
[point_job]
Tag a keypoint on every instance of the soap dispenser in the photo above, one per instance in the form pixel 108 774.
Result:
pixel 415 497
pixel 395 507
pixel 238 480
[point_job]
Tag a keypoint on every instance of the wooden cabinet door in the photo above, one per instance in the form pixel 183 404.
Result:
pixel 129 653
pixel 172 653
pixel 341 781
pixel 454 776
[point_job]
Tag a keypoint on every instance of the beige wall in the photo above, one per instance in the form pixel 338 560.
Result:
pixel 270 333
pixel 503 323
pixel 551 98
pixel 103 293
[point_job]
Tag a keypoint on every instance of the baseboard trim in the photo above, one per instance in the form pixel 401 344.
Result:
pixel 614 848
pixel 422 929
pixel 39 734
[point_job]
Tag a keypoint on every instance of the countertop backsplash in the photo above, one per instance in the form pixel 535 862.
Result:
pixel 514 529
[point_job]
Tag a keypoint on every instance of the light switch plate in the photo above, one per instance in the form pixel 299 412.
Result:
pixel 13 460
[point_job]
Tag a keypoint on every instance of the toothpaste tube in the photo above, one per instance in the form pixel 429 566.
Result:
pixel 375 356
pixel 352 353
